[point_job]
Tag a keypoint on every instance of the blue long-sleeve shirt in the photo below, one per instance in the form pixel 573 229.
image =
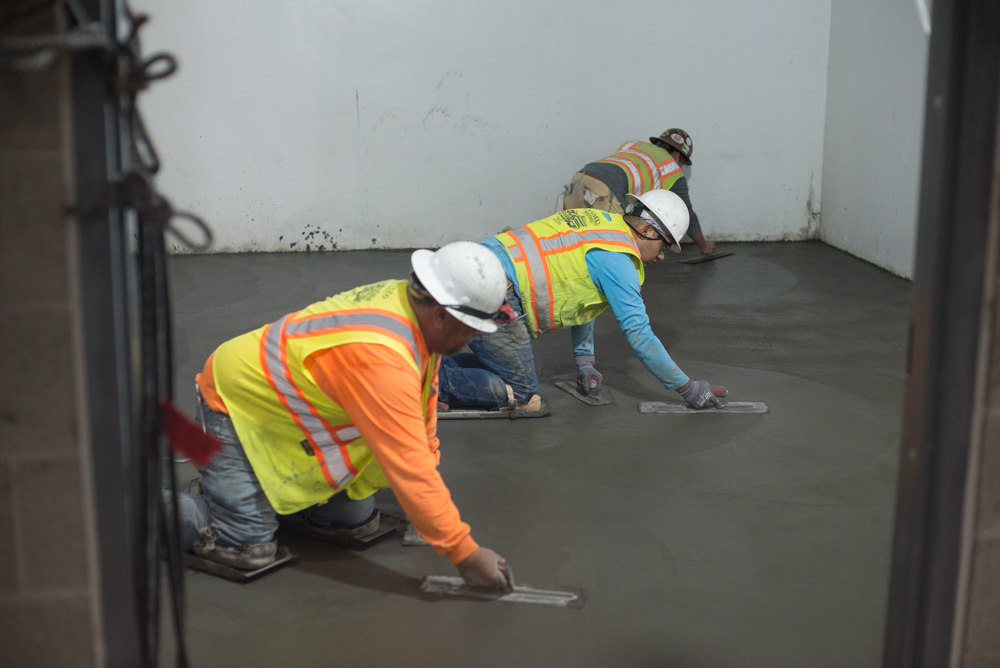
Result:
pixel 615 276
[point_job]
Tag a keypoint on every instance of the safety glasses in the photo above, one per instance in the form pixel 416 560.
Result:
pixel 637 209
pixel 502 316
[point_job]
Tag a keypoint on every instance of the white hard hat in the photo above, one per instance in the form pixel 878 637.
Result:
pixel 670 213
pixel 463 274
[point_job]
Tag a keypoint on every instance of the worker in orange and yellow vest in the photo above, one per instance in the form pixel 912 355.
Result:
pixel 638 167
pixel 319 410
pixel 563 271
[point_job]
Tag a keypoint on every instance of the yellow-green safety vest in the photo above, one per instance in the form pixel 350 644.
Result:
pixel 549 256
pixel 301 444
pixel 648 166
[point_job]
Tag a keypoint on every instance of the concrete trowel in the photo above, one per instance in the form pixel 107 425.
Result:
pixel 444 585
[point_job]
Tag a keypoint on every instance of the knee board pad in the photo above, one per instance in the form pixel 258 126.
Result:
pixel 284 557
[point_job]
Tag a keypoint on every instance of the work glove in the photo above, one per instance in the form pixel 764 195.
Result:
pixel 587 377
pixel 699 395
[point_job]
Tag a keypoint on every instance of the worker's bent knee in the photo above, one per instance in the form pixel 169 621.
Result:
pixel 342 511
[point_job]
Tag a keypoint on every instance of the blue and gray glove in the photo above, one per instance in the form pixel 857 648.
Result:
pixel 587 377
pixel 699 395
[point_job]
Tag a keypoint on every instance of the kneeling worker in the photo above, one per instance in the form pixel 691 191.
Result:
pixel 564 271
pixel 322 408
pixel 638 167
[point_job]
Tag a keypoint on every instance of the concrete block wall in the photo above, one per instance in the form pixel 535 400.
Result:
pixel 48 593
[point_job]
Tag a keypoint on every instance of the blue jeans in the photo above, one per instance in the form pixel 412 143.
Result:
pixel 232 502
pixel 501 358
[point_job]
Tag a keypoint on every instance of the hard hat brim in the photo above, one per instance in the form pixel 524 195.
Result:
pixel 420 261
pixel 652 140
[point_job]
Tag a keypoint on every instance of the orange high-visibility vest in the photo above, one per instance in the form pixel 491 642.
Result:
pixel 549 256
pixel 648 166
pixel 301 444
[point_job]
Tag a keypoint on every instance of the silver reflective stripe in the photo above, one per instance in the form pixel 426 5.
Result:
pixel 575 237
pixel 650 163
pixel 345 319
pixel 539 284
pixel 514 252
pixel 348 433
pixel 313 425
pixel 633 170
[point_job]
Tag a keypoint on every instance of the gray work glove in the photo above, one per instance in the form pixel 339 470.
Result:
pixel 587 377
pixel 699 395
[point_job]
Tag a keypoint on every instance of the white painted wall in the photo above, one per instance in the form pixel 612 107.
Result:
pixel 874 130
pixel 414 123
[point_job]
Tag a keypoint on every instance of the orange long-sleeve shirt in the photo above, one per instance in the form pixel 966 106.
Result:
pixel 382 396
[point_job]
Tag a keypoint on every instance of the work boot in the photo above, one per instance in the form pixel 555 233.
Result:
pixel 249 558
pixel 534 403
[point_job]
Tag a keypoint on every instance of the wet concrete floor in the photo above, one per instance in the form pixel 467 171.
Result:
pixel 701 540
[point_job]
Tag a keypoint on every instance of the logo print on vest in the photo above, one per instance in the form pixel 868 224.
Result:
pixel 308 448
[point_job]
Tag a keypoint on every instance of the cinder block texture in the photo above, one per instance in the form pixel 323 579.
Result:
pixel 32 229
pixel 52 632
pixel 50 523
pixel 980 661
pixel 988 517
pixel 8 555
pixel 37 405
pixel 29 107
pixel 983 625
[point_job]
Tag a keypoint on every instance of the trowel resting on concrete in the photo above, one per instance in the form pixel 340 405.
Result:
pixel 727 407
pixel 492 414
pixel 704 258
pixel 444 585
pixel 601 398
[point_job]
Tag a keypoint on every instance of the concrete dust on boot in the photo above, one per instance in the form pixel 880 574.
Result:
pixel 740 407
pixel 601 398
pixel 446 585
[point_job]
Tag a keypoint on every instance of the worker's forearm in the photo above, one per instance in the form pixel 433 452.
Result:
pixel 583 339
pixel 650 351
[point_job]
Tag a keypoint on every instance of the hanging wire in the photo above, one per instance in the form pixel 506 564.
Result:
pixel 129 73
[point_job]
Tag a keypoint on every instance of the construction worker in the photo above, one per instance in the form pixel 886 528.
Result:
pixel 638 167
pixel 322 408
pixel 563 271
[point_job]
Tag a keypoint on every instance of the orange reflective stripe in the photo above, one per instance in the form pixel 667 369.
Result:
pixel 557 243
pixel 530 267
pixel 631 169
pixel 328 442
pixel 370 319
pixel 650 165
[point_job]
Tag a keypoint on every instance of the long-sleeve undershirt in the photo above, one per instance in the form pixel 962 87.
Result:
pixel 615 276
pixel 382 395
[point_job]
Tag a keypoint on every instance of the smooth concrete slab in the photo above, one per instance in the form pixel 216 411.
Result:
pixel 741 540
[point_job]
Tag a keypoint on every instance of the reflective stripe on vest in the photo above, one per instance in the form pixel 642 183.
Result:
pixel 538 275
pixel 658 171
pixel 536 249
pixel 328 442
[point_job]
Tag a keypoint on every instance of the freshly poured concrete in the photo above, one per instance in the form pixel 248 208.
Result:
pixel 728 540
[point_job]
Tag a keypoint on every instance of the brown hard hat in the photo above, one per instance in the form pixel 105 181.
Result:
pixel 678 139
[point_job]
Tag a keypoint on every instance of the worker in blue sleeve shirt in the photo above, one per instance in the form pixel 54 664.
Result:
pixel 564 271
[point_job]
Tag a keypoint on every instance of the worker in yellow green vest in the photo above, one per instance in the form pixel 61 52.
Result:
pixel 322 408
pixel 638 167
pixel 563 271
